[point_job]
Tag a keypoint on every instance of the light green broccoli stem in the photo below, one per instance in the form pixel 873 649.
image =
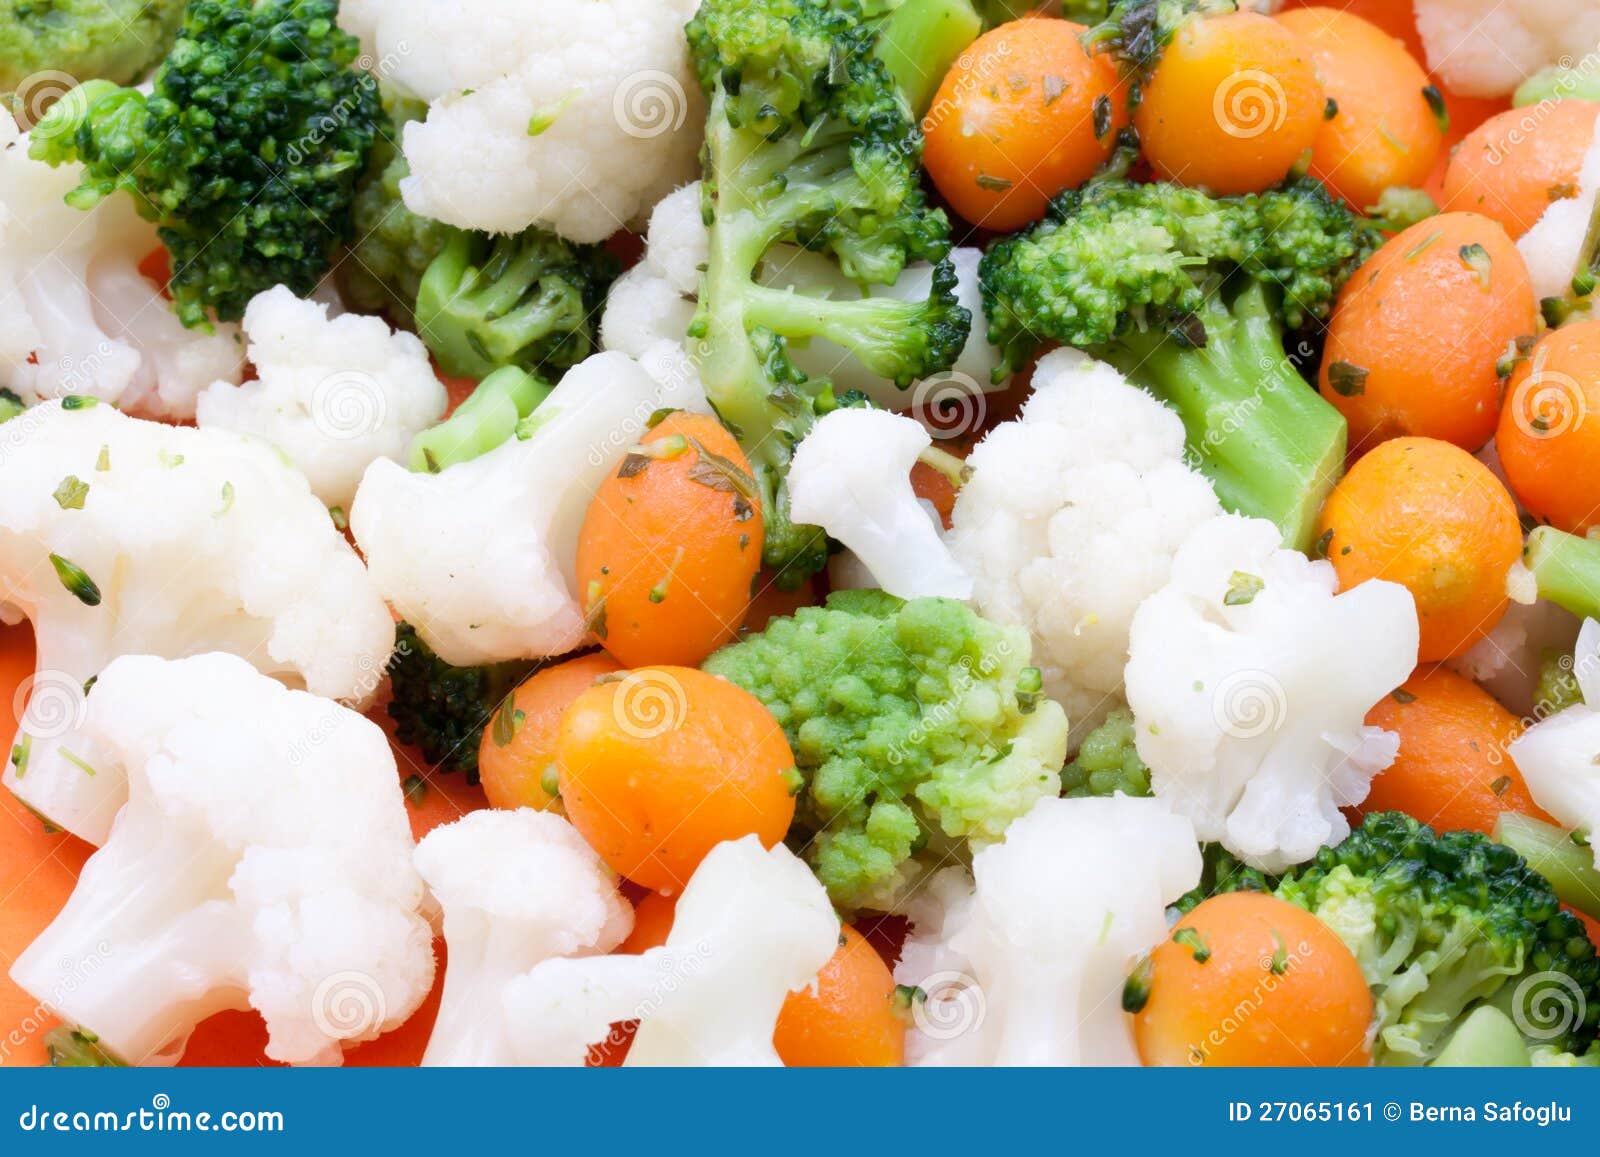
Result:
pixel 1557 855
pixel 1557 83
pixel 1486 1039
pixel 1399 208
pixel 486 419
pixel 117 40
pixel 921 40
pixel 1108 762
pixel 10 405
pixel 71 1048
pixel 1557 688
pixel 1270 444
pixel 1567 569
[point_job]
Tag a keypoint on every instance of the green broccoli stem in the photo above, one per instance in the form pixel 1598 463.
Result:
pixel 874 329
pixel 1567 569
pixel 486 419
pixel 921 40
pixel 1486 1039
pixel 1270 444
pixel 1555 855
pixel 1557 83
pixel 10 405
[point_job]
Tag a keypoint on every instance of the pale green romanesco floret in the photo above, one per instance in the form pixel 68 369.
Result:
pixel 917 725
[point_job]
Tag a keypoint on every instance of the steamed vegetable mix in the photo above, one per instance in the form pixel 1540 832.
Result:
pixel 829 533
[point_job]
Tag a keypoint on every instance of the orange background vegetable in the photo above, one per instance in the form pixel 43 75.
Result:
pixel 1384 132
pixel 1014 122
pixel 1234 1009
pixel 670 546
pixel 513 774
pixel 1453 771
pixel 1515 164
pixel 661 766
pixel 1549 433
pixel 1418 332
pixel 1430 516
pixel 1233 105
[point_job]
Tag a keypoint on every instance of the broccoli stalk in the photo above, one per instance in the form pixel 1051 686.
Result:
pixel 10 405
pixel 1566 568
pixel 520 300
pixel 921 39
pixel 246 153
pixel 1271 446
pixel 1561 857
pixel 1486 1039
pixel 808 142
pixel 487 418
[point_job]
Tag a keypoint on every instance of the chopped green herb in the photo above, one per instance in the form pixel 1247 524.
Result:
pixel 1476 258
pixel 76 762
pixel 103 463
pixel 76 581
pixel 507 721
pixel 1436 105
pixel 1030 689
pixel 19 754
pixel 71 493
pixel 416 789
pixel 993 184
pixel 1330 110
pixel 1136 989
pixel 1401 696
pixel 1242 589
pixel 78 402
pixel 1346 380
pixel 227 500
pixel 1191 939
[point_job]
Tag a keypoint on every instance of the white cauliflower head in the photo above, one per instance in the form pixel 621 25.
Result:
pixel 263 861
pixel 333 393
pixel 120 536
pixel 480 557
pixel 656 299
pixel 1557 756
pixel 1249 679
pixel 1488 47
pixel 76 315
pixel 1023 962
pixel 1071 518
pixel 851 475
pixel 517 888
pixel 751 927
pixel 1556 247
pixel 574 115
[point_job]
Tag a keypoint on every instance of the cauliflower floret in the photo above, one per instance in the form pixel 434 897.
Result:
pixel 1071 518
pixel 751 927
pixel 263 861
pixel 575 115
pixel 1509 660
pixel 1556 248
pixel 1249 679
pixel 1557 756
pixel 656 301
pixel 76 315
pixel 480 557
pixel 1488 47
pixel 333 393
pixel 517 888
pixel 1023 962
pixel 120 536
pixel 851 475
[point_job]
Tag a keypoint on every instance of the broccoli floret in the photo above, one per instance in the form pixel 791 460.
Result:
pixel 246 154
pixel 1138 31
pixel 998 12
pixel 1108 761
pixel 1222 872
pixel 808 142
pixel 912 722
pixel 72 1048
pixel 442 710
pixel 10 405
pixel 529 299
pixel 1191 295
pixel 1441 922
pixel 115 40
pixel 487 418
pixel 392 246
pixel 1563 858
